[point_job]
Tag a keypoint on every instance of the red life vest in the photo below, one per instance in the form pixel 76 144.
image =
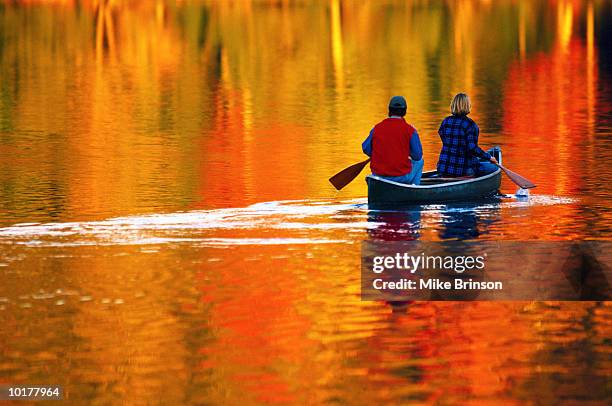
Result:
pixel 391 147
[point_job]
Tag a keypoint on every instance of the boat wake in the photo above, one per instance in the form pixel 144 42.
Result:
pixel 277 222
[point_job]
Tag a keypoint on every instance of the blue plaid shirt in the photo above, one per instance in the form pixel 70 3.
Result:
pixel 460 150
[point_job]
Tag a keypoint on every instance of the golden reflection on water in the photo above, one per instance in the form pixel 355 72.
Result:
pixel 153 104
pixel 116 108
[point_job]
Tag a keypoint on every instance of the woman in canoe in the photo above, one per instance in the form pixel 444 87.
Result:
pixel 461 155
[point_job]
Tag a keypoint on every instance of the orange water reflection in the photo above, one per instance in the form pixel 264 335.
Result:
pixel 117 108
pixel 171 80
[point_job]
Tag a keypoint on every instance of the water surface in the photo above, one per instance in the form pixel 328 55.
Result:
pixel 168 234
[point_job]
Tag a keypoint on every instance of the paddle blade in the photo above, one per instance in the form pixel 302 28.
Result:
pixel 346 176
pixel 518 179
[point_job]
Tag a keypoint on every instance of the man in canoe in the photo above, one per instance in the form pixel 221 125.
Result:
pixel 461 155
pixel 394 147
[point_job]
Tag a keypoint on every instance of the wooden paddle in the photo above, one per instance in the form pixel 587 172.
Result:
pixel 346 176
pixel 517 179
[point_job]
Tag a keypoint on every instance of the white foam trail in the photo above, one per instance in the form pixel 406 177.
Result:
pixel 77 243
pixel 207 242
pixel 268 241
pixel 507 203
pixel 361 225
pixel 254 216
pixel 187 227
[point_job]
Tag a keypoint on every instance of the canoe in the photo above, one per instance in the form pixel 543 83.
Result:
pixel 387 194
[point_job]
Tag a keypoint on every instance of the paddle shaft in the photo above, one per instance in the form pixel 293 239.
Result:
pixel 347 175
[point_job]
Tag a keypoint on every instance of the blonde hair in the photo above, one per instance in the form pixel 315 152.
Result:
pixel 461 104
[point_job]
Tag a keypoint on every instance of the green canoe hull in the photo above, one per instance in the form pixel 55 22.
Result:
pixel 386 194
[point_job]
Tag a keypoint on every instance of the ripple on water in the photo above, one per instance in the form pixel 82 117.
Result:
pixel 308 217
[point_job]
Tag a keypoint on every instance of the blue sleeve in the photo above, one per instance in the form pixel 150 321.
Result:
pixel 367 144
pixel 416 150
pixel 472 143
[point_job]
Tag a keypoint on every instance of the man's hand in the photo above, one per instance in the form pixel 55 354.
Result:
pixel 493 160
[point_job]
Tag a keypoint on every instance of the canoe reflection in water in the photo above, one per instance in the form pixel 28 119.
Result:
pixel 458 222
pixel 395 225
pixel 468 221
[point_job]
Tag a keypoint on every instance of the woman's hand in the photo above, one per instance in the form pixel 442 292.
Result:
pixel 493 160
